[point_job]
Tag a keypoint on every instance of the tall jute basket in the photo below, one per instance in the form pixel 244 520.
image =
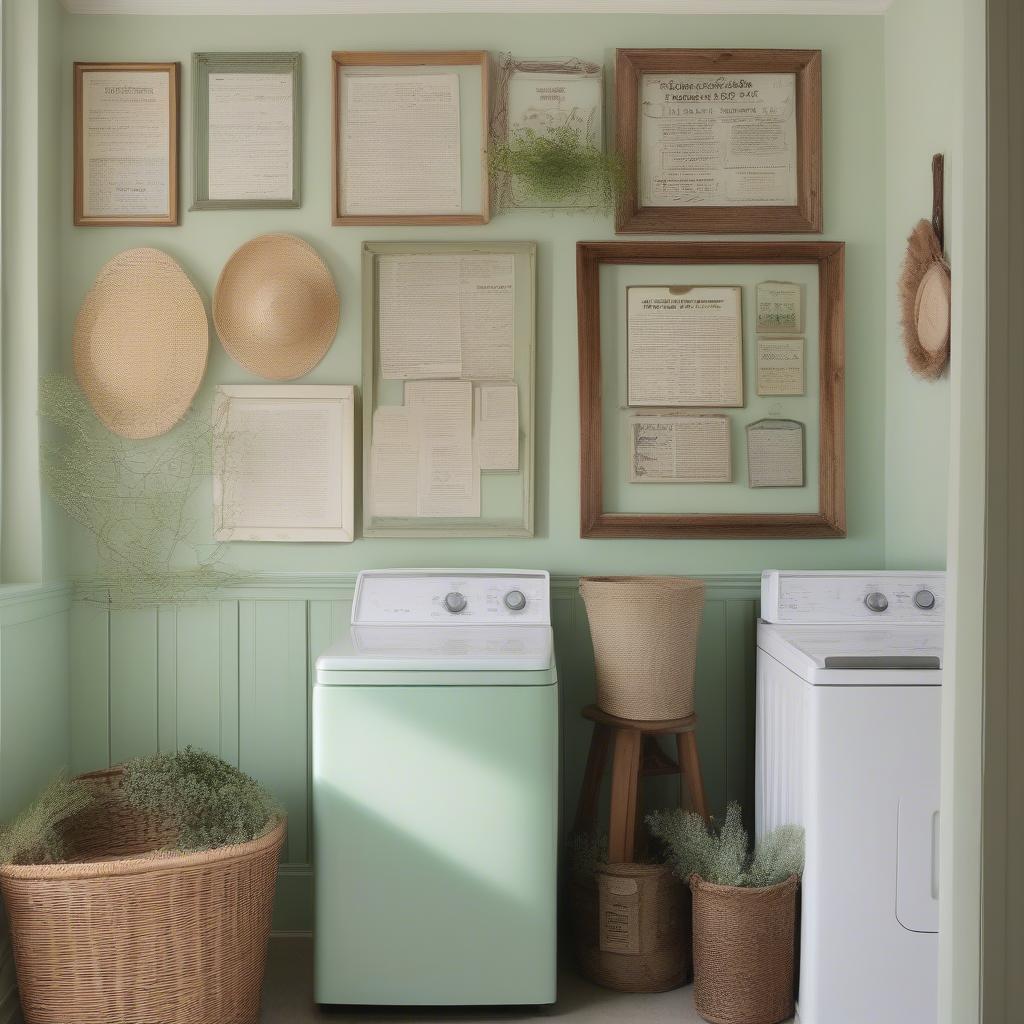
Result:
pixel 644 630
pixel 743 952
pixel 125 935
pixel 631 927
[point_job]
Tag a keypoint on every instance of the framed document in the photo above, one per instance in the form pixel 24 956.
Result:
pixel 409 138
pixel 246 111
pixel 719 140
pixel 283 462
pixel 126 144
pixel 668 359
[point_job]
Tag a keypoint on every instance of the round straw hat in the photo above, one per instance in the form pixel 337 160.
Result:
pixel 275 307
pixel 925 303
pixel 140 344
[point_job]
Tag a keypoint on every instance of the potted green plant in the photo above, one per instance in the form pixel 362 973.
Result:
pixel 744 913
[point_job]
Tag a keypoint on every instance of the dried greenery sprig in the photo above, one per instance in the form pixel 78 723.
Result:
pixel 36 835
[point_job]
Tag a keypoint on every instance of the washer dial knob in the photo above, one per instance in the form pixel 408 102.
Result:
pixel 454 602
pixel 877 601
pixel 925 600
pixel 515 600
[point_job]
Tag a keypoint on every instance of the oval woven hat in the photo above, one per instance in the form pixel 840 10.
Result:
pixel 275 307
pixel 140 344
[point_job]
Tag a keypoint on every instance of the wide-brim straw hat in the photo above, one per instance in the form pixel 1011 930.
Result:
pixel 925 291
pixel 140 344
pixel 275 307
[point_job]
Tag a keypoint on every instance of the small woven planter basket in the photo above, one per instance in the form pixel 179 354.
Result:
pixel 644 630
pixel 631 927
pixel 125 935
pixel 743 952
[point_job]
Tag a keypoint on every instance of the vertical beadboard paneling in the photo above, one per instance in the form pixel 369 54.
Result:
pixel 740 645
pixel 710 699
pixel 90 686
pixel 133 683
pixel 227 612
pixel 198 676
pixel 167 678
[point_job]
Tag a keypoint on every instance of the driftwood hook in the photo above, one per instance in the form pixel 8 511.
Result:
pixel 938 210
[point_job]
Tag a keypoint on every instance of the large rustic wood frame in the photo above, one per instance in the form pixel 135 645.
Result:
pixel 81 68
pixel 806 216
pixel 342 59
pixel 830 519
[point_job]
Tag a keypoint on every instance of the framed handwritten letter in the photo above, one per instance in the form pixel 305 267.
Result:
pixel 246 109
pixel 668 335
pixel 125 144
pixel 719 140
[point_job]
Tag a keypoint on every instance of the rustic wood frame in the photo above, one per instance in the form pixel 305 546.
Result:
pixel 830 519
pixel 78 200
pixel 806 216
pixel 413 58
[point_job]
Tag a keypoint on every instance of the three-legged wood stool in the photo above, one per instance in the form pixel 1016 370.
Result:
pixel 635 755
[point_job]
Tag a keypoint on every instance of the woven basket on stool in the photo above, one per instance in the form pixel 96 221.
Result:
pixel 644 630
pixel 743 952
pixel 124 935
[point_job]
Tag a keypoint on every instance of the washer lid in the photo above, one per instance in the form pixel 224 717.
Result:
pixel 414 649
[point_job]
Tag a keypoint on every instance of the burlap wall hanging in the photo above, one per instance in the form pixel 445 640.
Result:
pixel 925 290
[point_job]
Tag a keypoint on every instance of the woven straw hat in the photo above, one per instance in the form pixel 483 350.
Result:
pixel 925 303
pixel 275 307
pixel 140 344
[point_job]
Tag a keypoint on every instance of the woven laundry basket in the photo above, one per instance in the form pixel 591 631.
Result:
pixel 644 630
pixel 125 935
pixel 744 943
pixel 631 927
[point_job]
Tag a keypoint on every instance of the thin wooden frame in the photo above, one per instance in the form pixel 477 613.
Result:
pixel 806 216
pixel 830 519
pixel 342 59
pixel 240 63
pixel 81 68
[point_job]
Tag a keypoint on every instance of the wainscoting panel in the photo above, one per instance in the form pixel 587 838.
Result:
pixel 235 675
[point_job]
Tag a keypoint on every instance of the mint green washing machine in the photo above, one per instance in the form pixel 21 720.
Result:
pixel 435 793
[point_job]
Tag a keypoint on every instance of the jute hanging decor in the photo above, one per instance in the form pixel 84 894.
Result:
pixel 925 290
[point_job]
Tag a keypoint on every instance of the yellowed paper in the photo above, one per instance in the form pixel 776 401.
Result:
pixel 779 308
pixel 688 449
pixel 775 453
pixel 780 366
pixel 497 426
pixel 394 462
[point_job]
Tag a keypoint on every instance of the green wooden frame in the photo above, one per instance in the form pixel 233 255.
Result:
pixel 253 63
pixel 521 524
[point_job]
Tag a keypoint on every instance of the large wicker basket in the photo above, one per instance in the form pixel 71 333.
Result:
pixel 744 943
pixel 644 630
pixel 124 935
pixel 631 927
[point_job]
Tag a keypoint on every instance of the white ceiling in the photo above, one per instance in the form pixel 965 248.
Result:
pixel 240 7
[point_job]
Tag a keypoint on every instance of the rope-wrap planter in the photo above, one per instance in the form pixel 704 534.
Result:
pixel 141 936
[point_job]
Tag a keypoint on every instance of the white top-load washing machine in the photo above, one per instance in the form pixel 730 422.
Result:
pixel 849 673
pixel 435 792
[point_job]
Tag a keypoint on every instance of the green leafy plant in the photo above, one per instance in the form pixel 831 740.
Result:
pixel 722 855
pixel 36 836
pixel 560 166
pixel 208 802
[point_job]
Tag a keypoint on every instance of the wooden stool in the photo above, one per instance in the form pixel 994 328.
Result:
pixel 635 755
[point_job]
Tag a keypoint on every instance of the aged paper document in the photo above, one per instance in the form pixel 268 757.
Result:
pixel 442 316
pixel 448 469
pixel 250 136
pixel 542 101
pixel 497 426
pixel 399 144
pixel 684 346
pixel 775 453
pixel 125 143
pixel 718 140
pixel 394 462
pixel 779 308
pixel 780 366
pixel 687 449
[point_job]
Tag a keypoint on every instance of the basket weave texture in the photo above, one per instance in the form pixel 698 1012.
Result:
pixel 125 935
pixel 743 952
pixel 644 631
pixel 631 927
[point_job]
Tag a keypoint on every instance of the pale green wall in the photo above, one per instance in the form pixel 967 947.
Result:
pixel 854 211
pixel 921 51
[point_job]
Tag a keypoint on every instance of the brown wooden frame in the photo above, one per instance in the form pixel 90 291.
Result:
pixel 830 519
pixel 806 216
pixel 412 58
pixel 171 218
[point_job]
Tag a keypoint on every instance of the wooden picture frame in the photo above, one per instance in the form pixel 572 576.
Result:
pixel 830 518
pixel 342 59
pixel 205 64
pixel 631 66
pixel 84 214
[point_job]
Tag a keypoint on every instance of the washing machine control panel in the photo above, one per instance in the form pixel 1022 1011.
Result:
pixel 441 597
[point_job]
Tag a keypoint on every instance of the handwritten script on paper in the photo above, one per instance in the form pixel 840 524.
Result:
pixel 687 449
pixel 780 366
pixel 775 453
